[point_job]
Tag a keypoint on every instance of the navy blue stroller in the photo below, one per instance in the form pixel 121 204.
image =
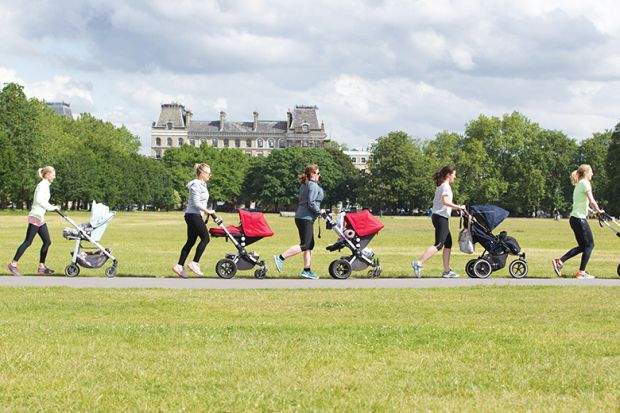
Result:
pixel 497 248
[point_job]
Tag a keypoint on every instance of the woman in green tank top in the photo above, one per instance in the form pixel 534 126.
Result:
pixel 582 198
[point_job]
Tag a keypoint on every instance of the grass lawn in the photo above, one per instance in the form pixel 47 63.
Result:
pixel 148 244
pixel 468 349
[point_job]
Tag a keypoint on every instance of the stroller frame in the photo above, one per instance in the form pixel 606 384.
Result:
pixel 227 267
pixel 489 261
pixel 73 270
pixel 605 219
pixel 341 268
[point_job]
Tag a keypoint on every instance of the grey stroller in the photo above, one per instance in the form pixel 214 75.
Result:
pixel 605 219
pixel 92 232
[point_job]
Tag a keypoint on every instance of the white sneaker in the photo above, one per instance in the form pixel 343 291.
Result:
pixel 417 268
pixel 179 270
pixel 449 274
pixel 582 275
pixel 195 267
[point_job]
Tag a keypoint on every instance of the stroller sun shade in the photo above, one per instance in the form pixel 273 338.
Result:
pixel 254 224
pixel 490 215
pixel 363 223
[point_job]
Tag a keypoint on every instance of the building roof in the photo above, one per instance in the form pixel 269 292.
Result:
pixel 264 126
pixel 61 108
pixel 305 114
pixel 171 112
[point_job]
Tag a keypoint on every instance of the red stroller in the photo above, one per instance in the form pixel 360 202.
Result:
pixel 253 227
pixel 358 229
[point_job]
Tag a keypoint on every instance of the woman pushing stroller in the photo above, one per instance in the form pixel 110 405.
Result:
pixel 36 222
pixel 442 209
pixel 196 226
pixel 582 198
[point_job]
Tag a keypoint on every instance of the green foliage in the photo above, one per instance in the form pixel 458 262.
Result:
pixel 613 172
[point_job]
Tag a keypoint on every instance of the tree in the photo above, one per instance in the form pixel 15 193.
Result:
pixel 593 151
pixel 613 172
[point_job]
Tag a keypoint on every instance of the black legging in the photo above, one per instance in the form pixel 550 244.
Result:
pixel 306 234
pixel 585 242
pixel 196 227
pixel 443 238
pixel 30 233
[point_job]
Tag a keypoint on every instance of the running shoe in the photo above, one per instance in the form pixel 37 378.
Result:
pixel 417 268
pixel 13 268
pixel 309 274
pixel 450 274
pixel 557 266
pixel 179 270
pixel 43 270
pixel 195 267
pixel 582 275
pixel 279 262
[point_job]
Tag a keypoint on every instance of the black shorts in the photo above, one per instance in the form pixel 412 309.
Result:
pixel 306 235
pixel 442 232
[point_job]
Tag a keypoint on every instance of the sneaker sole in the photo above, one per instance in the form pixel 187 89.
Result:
pixel 179 274
pixel 558 271
pixel 13 271
pixel 275 260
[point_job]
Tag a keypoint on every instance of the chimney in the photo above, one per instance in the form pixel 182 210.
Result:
pixel 222 117
pixel 255 126
pixel 289 118
pixel 188 118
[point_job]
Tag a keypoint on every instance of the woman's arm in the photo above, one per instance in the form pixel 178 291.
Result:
pixel 313 203
pixel 593 202
pixel 446 202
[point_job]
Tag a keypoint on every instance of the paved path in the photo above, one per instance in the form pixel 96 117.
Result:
pixel 250 283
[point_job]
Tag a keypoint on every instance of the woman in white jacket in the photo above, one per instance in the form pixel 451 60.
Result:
pixel 36 222
pixel 196 227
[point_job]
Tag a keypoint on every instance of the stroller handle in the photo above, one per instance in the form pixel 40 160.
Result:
pixel 62 214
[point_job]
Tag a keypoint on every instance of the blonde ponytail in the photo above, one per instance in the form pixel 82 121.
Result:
pixel 579 173
pixel 41 172
pixel 200 168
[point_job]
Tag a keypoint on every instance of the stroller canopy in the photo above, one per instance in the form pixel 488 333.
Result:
pixel 254 224
pixel 490 215
pixel 100 216
pixel 363 222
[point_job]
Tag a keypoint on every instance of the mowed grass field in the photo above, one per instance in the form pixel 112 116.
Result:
pixel 148 244
pixel 467 349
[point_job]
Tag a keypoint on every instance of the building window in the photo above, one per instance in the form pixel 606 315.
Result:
pixel 353 159
pixel 180 141
pixel 203 140
pixel 259 143
pixel 363 160
pixel 169 125
pixel 225 143
pixel 304 143
pixel 214 142
pixel 305 128
pixel 237 143
pixel 259 154
pixel 158 154
pixel 272 142
pixel 282 143
pixel 248 143
pixel 157 141
pixel 192 142
pixel 169 141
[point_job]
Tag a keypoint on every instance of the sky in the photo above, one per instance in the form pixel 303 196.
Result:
pixel 371 67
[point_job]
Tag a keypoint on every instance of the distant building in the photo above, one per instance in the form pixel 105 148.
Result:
pixel 359 158
pixel 62 108
pixel 175 127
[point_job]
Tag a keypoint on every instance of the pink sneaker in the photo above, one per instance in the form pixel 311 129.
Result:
pixel 195 267
pixel 179 270
pixel 14 270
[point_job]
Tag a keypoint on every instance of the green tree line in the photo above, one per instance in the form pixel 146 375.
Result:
pixel 509 161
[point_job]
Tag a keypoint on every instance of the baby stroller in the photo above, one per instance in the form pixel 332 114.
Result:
pixel 357 231
pixel 100 217
pixel 484 219
pixel 253 227
pixel 605 219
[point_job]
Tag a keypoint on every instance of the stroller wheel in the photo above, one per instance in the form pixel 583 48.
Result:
pixel 618 270
pixel 72 270
pixel 226 268
pixel 469 268
pixel 260 273
pixel 340 269
pixel 518 268
pixel 110 272
pixel 482 268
